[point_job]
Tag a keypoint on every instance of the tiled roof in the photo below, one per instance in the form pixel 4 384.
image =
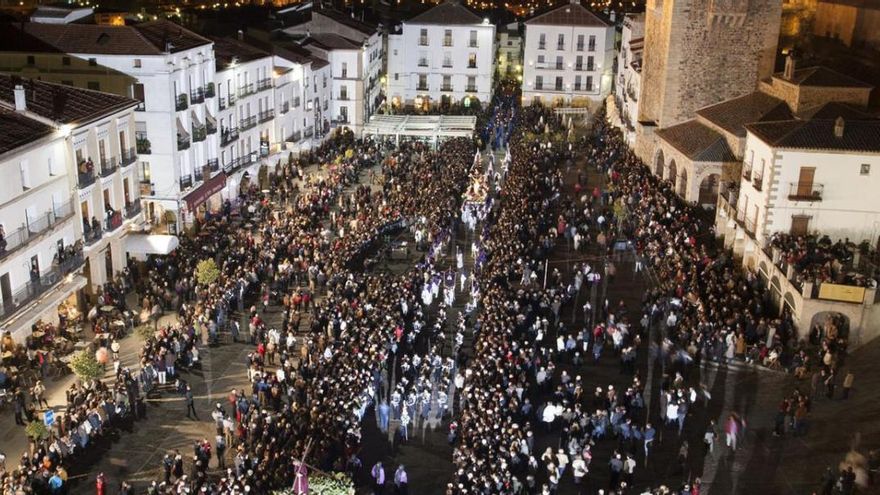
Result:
pixel 823 77
pixel 733 115
pixel 17 130
pixel 62 104
pixel 697 142
pixel 568 14
pixel 818 134
pixel 227 49
pixel 331 41
pixel 148 38
pixel 340 17
pixel 450 12
pixel 833 110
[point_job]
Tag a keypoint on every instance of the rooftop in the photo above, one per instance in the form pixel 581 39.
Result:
pixel 697 142
pixel 733 115
pixel 340 17
pixel 450 12
pixel 17 130
pixel 62 104
pixel 568 14
pixel 822 77
pixel 818 134
pixel 227 50
pixel 331 41
pixel 148 38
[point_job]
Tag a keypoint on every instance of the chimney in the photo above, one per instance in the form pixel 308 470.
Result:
pixel 838 127
pixel 240 35
pixel 20 99
pixel 790 66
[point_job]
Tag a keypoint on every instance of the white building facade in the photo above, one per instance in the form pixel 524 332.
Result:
pixel 628 80
pixel 443 56
pixel 569 57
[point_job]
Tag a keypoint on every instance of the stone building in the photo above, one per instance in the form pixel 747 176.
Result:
pixel 737 42
pixel 855 23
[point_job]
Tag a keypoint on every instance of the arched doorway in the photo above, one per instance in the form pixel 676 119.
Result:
pixel 709 190
pixel 683 184
pixel 671 172
pixel 826 324
pixel 658 164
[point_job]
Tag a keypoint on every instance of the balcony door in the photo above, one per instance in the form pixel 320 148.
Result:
pixel 123 146
pixel 805 182
pixel 6 291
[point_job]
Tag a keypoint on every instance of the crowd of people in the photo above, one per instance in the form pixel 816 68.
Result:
pixel 818 259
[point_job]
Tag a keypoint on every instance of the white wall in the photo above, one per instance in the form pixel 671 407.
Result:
pixel 532 67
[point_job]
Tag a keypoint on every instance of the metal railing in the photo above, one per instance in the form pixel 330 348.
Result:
pixel 423 62
pixel 806 191
pixel 180 102
pixel 142 143
pixel 422 87
pixel 32 229
pixel 247 123
pixel 221 103
pixel 108 166
pixel 560 46
pixel 295 137
pixel 183 142
pixel 264 84
pixel 340 120
pixel 472 44
pixel 213 165
pixel 113 222
pixel 228 135
pixel 472 65
pixel 132 209
pixel 580 47
pixel 246 89
pixel 446 87
pixel 210 127
pixel 209 90
pixel 92 233
pixel 267 115
pixel 129 156
pixel 199 133
pixel 542 46
pixel 423 41
pixel 198 175
pixel 40 284
pixel 285 107
pixel 758 182
pixel 197 96
pixel 749 225
pixel 473 89
pixel 186 181
pixel 86 179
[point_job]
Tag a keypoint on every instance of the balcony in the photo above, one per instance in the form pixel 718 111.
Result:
pixel 199 133
pixel 197 96
pixel 473 89
pixel 447 41
pixel 209 90
pixel 198 175
pixel 423 41
pixel 246 90
pixel 446 87
pixel 41 283
pixel 113 222
pixel 264 84
pixel 805 191
pixel 213 165
pixel 248 123
pixel 749 225
pixel 309 132
pixel 472 65
pixel 228 135
pixel 186 182
pixel 580 47
pixel 423 62
pixel 221 103
pixel 108 166
pixel 340 120
pixel 297 102
pixel 86 175
pixel 23 235
pixel 422 87
pixel 182 142
pixel 747 174
pixel 542 46
pixel 591 47
pixel 758 182
pixel 591 68
pixel 142 107
pixel 211 127
pixel 142 144
pixel 285 107
pixel 447 64
pixel 129 156
pixel 180 103
pixel 578 67
pixel 267 115
pixel 558 66
pixel 133 209
pixel 295 137
pixel 539 86
pixel 472 44
pixel 92 232
pixel 560 46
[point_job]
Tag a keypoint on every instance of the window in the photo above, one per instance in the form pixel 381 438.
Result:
pixel 447 59
pixel 93 62
pixel 473 39
pixel 590 63
pixel 447 83
pixel 65 60
pixel 540 59
pixel 539 82
pixel 560 42
pixel 447 37
pixel 542 41
pixel 580 43
pixel 31 60
pixel 579 63
pixel 592 44
pixel 94 85
pixel 559 62
pixel 25 175
pixel 471 84
pixel 137 63
pixel 145 172
pixel 423 82
pixel 344 70
pixel 54 169
pixel 139 95
pixel 577 82
pixel 343 93
pixel 423 37
pixel 865 169
pixel 558 85
pixel 396 76
pixel 589 85
pixel 472 61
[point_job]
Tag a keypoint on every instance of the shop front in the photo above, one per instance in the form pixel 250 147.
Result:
pixel 206 198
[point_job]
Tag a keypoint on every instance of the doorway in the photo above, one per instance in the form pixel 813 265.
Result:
pixel 108 264
pixel 6 292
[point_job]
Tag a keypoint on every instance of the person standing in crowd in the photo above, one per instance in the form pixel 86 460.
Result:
pixel 401 481
pixel 378 475
pixel 190 403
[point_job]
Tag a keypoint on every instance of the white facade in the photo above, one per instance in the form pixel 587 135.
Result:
pixel 628 81
pixel 841 201
pixel 429 63
pixel 567 64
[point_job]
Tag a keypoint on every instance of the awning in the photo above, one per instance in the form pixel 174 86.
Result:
pixel 140 245
pixel 208 188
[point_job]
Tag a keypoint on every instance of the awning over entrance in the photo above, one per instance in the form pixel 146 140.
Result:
pixel 140 245
pixel 201 194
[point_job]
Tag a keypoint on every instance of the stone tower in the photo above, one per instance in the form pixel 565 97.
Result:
pixel 701 52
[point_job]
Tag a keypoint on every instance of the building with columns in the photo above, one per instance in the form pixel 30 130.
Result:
pixel 568 57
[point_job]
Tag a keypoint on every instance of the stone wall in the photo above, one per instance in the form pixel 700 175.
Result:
pixel 701 52
pixel 800 98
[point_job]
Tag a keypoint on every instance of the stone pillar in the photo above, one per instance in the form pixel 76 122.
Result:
pixel 807 291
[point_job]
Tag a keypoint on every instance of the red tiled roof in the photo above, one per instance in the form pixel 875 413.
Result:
pixel 63 104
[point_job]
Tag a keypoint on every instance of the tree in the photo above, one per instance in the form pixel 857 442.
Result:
pixel 86 367
pixel 207 272
pixel 36 431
